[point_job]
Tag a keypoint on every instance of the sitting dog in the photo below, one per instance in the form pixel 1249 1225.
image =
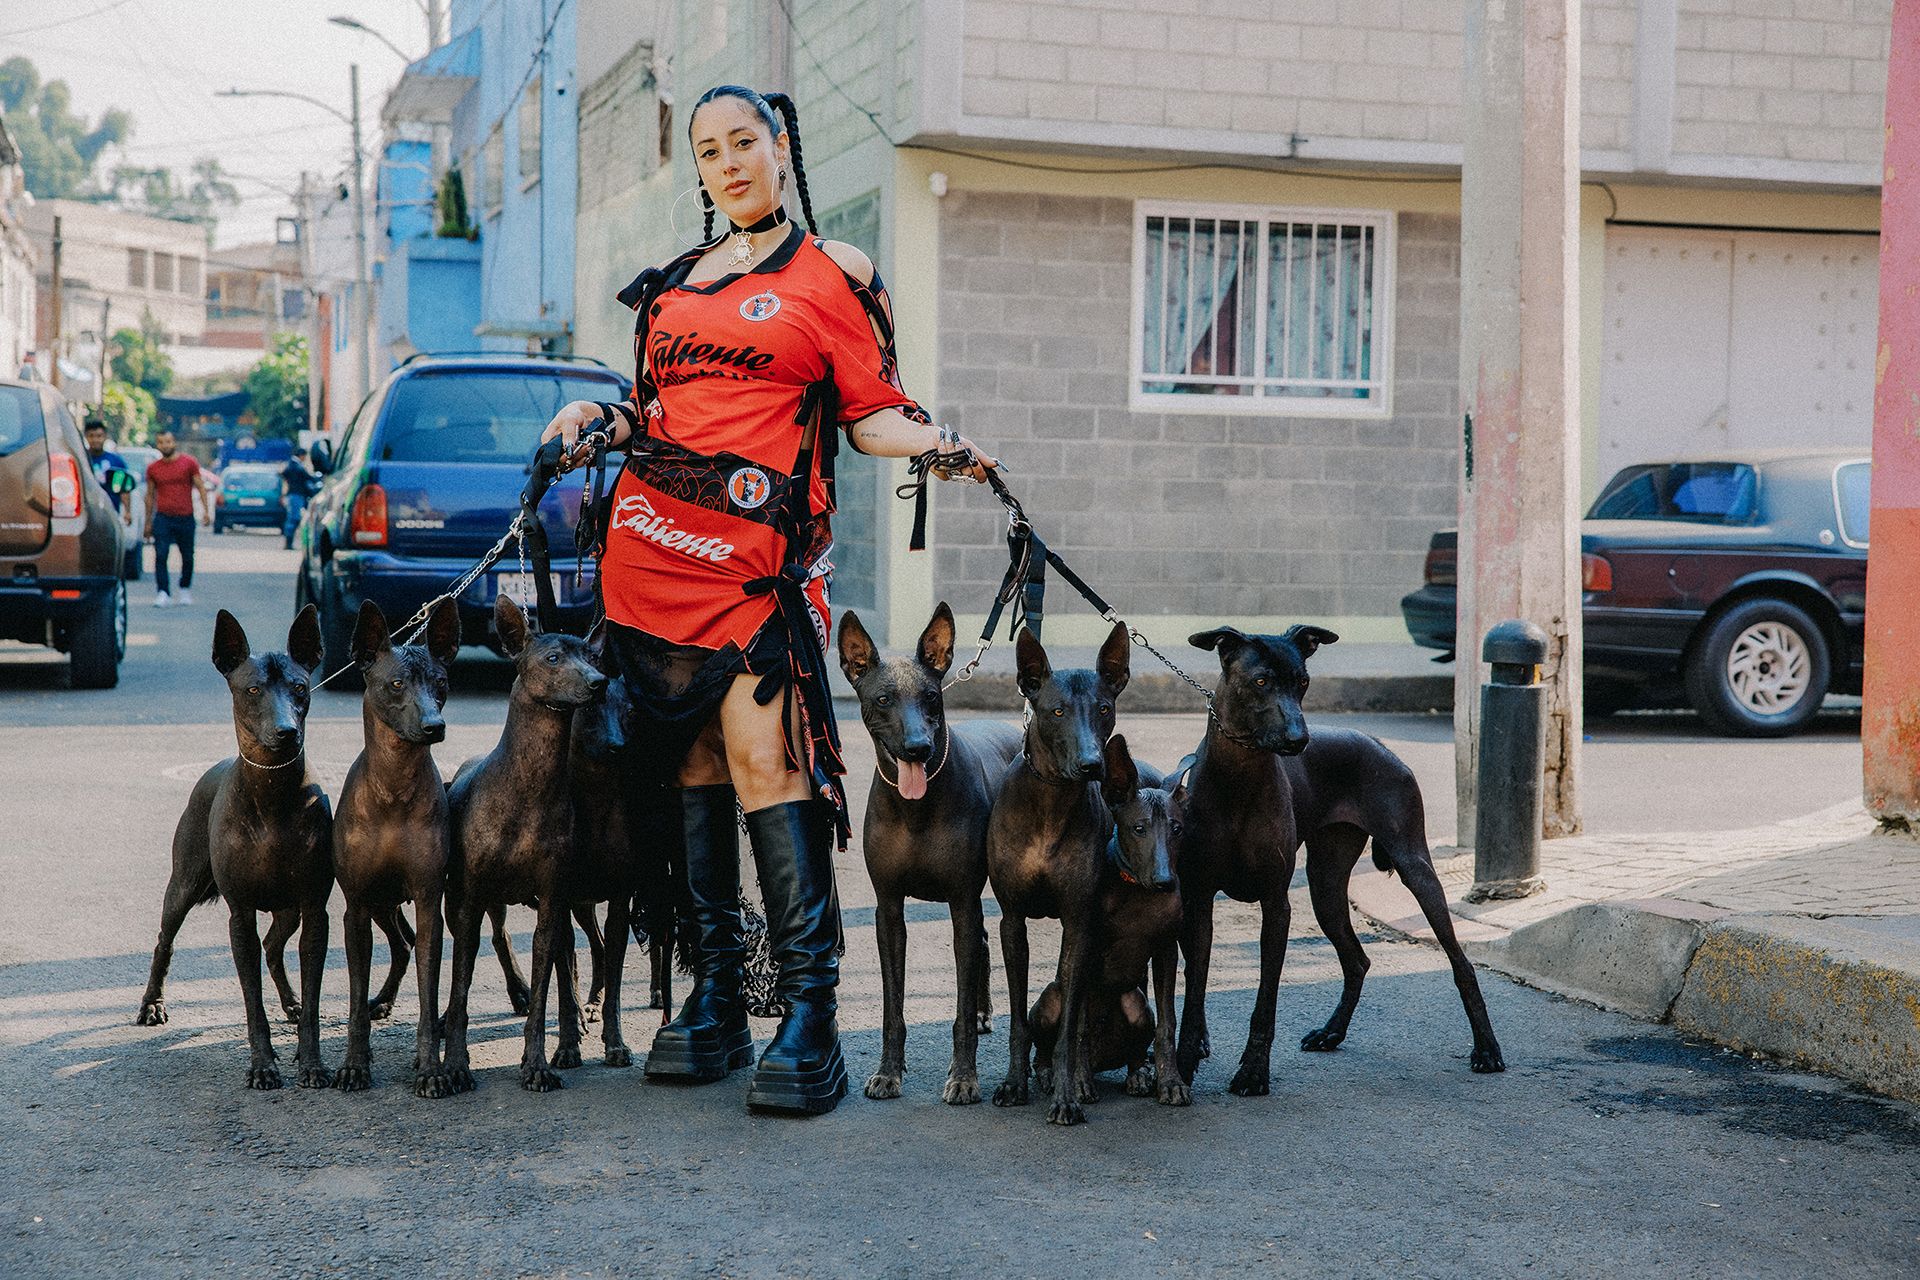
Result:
pixel 926 833
pixel 510 817
pixel 1260 785
pixel 390 831
pixel 1047 855
pixel 1139 924
pixel 257 831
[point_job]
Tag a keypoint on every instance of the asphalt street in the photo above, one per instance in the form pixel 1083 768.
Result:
pixel 1608 1145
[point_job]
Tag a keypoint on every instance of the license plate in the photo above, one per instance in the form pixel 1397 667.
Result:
pixel 253 502
pixel 519 587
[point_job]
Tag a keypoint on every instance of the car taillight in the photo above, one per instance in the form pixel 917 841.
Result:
pixel 370 517
pixel 1596 573
pixel 63 485
pixel 1442 567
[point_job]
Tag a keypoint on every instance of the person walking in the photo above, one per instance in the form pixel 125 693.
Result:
pixel 297 483
pixel 175 484
pixel 752 352
pixel 104 461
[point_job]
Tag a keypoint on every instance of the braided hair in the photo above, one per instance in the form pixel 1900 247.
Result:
pixel 781 116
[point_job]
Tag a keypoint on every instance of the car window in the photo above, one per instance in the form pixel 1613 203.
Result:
pixel 473 416
pixel 1705 492
pixel 20 420
pixel 1850 485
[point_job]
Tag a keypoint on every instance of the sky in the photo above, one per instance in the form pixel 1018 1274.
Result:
pixel 162 60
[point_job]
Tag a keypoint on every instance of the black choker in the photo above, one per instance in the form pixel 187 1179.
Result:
pixel 768 223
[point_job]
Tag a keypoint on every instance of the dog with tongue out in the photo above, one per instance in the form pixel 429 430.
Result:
pixel 934 785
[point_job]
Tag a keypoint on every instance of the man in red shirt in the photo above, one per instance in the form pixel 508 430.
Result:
pixel 174 482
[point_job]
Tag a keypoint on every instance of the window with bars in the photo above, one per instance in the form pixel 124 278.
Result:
pixel 1264 311
pixel 137 268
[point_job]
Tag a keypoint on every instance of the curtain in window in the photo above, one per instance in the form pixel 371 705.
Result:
pixel 1194 312
pixel 1319 308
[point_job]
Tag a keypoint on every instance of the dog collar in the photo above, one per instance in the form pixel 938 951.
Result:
pixel 946 736
pixel 297 758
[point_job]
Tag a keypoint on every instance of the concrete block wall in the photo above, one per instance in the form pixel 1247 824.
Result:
pixel 1180 513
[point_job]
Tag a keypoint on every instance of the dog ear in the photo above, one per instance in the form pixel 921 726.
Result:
pixel 510 623
pixel 443 632
pixel 370 637
pixel 597 647
pixel 1307 639
pixel 1030 662
pixel 1225 639
pixel 230 647
pixel 935 649
pixel 857 652
pixel 1112 663
pixel 1122 778
pixel 303 639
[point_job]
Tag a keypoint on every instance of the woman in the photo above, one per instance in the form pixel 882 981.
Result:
pixel 751 352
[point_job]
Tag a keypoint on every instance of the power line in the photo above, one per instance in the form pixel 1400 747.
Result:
pixel 61 22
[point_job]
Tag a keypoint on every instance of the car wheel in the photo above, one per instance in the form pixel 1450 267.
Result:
pixel 336 638
pixel 1760 670
pixel 130 562
pixel 98 642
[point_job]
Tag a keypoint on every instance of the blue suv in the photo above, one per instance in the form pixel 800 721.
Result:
pixel 427 477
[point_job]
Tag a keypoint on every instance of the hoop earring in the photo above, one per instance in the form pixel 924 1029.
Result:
pixel 673 220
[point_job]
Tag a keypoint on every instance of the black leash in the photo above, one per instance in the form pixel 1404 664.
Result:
pixel 548 465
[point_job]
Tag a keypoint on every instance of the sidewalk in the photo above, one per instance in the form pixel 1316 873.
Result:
pixel 1800 940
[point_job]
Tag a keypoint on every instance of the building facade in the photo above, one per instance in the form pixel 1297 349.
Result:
pixel 17 287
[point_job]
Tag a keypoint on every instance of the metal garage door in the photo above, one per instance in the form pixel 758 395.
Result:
pixel 1732 340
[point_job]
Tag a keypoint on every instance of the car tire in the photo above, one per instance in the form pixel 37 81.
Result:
pixel 130 563
pixel 1760 669
pixel 98 642
pixel 336 637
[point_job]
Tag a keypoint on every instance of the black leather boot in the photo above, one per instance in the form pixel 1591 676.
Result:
pixel 711 1036
pixel 801 1070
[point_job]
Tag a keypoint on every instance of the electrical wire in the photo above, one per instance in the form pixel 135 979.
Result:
pixel 61 22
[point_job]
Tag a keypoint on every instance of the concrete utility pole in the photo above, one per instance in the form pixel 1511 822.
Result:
pixel 1519 373
pixel 1890 718
pixel 53 306
pixel 362 285
pixel 436 24
pixel 106 320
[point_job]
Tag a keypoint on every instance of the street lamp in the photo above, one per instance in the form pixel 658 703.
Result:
pixel 363 284
pixel 354 24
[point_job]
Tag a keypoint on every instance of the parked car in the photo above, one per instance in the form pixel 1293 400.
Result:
pixel 136 456
pixel 60 539
pixel 249 494
pixel 426 478
pixel 1736 585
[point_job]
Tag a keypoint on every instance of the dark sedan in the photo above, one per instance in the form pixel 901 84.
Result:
pixel 1738 583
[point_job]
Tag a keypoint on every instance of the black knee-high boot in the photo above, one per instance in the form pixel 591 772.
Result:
pixel 802 1069
pixel 711 1036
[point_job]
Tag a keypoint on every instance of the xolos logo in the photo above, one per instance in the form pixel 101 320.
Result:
pixel 636 513
pixel 749 488
pixel 761 306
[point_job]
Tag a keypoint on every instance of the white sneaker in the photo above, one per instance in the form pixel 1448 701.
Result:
pixel 161 600
pixel 183 596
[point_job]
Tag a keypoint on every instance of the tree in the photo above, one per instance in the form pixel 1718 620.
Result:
pixel 161 193
pixel 451 204
pixel 277 389
pixel 138 359
pixel 57 148
pixel 129 412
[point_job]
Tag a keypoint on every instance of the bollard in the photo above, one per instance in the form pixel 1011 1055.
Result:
pixel 1513 744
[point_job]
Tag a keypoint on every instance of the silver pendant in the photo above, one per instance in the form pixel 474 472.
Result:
pixel 742 250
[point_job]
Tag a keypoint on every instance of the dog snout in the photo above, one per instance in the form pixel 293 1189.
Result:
pixel 1293 744
pixel 433 731
pixel 916 750
pixel 1090 768
pixel 597 684
pixel 285 735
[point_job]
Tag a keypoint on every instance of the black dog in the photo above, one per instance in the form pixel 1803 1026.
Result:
pixel 257 831
pixel 1140 925
pixel 926 833
pixel 1260 785
pixel 1047 855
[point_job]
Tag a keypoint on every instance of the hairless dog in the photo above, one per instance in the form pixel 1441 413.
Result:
pixel 390 833
pixel 257 832
pixel 926 833
pixel 510 816
pixel 1260 786
pixel 1047 855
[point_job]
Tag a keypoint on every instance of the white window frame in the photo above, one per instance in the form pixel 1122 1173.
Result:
pixel 1385 277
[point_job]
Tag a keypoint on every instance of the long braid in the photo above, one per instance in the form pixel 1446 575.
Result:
pixel 791 114
pixel 706 206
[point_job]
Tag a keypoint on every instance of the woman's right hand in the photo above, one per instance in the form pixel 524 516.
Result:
pixel 567 426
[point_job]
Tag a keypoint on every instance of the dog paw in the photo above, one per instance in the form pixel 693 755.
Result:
pixel 884 1084
pixel 1325 1040
pixel 960 1091
pixel 292 1011
pixel 380 1010
pixel 152 1014
pixel 1085 1090
pixel 1187 1060
pixel 1065 1111
pixel 1011 1093
pixel 656 999
pixel 263 1075
pixel 983 1024
pixel 566 1056
pixel 590 1012
pixel 352 1077
pixel 1043 1079
pixel 459 1080
pixel 618 1055
pixel 519 999
pixel 432 1083
pixel 1140 1083
pixel 1250 1081
pixel 1486 1060
pixel 540 1079
pixel 1175 1093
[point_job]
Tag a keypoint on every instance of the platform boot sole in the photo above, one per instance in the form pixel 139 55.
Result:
pixel 702 1061
pixel 813 1093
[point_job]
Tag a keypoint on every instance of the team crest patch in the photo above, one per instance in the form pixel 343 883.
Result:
pixel 749 487
pixel 761 306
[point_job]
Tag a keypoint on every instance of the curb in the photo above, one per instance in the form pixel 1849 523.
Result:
pixel 1158 693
